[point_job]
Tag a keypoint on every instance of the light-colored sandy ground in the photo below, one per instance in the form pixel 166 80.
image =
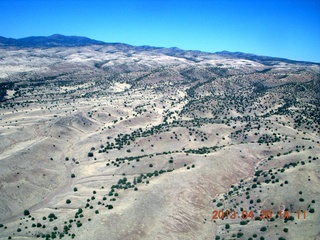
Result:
pixel 36 138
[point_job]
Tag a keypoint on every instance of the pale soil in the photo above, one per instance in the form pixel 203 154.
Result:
pixel 36 138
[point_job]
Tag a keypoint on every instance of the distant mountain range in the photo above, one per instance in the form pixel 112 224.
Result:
pixel 55 40
pixel 58 40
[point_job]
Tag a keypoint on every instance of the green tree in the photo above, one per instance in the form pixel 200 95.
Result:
pixel 26 212
pixel 263 229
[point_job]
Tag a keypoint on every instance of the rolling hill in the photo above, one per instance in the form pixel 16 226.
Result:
pixel 112 141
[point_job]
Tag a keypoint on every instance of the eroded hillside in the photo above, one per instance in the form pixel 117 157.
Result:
pixel 145 143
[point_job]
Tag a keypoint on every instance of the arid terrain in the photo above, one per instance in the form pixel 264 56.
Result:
pixel 111 141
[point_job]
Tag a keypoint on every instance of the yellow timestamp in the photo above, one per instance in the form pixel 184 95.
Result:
pixel 263 214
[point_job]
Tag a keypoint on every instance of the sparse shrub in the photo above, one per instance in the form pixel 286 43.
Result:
pixel 239 235
pixel 26 212
pixel 52 216
pixel 263 229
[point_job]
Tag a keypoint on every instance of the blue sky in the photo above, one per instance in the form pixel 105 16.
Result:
pixel 279 28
